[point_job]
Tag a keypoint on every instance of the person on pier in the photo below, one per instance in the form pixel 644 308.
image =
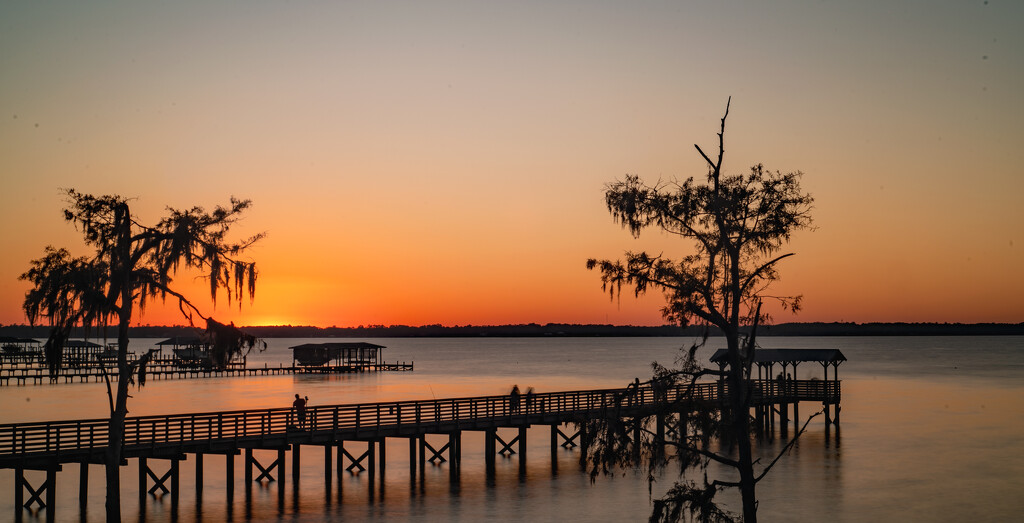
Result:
pixel 299 405
pixel 514 399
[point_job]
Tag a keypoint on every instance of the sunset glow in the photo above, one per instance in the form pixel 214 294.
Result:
pixel 422 163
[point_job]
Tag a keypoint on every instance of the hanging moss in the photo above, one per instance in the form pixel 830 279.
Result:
pixel 228 341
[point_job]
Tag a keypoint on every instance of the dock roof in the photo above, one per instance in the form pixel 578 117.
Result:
pixel 350 345
pixel 77 344
pixel 181 340
pixel 11 339
pixel 786 356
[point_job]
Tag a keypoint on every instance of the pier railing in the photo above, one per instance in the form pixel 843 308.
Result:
pixel 76 439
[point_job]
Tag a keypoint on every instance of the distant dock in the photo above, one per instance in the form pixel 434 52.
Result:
pixel 86 362
pixel 164 370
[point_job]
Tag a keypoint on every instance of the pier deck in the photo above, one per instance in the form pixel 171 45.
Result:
pixel 36 374
pixel 37 444
pixel 47 446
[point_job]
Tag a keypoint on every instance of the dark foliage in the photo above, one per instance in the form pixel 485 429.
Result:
pixel 736 225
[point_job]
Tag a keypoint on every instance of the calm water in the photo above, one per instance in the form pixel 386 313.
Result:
pixel 932 430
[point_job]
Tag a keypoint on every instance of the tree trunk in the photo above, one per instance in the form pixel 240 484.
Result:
pixel 116 425
pixel 113 460
pixel 123 278
pixel 739 410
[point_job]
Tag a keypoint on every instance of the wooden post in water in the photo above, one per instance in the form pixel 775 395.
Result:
pixel 341 459
pixel 554 448
pixel 339 463
pixel 584 444
pixel 784 418
pixel 423 454
pixel 796 415
pixel 174 486
pixel 458 452
pixel 19 493
pixel 229 477
pixel 522 449
pixel 328 472
pixel 382 443
pixel 828 417
pixel 372 465
pixel 490 449
pixel 453 462
pixel 142 483
pixel 280 472
pixel 248 469
pixel 835 376
pixel 51 492
pixel 199 477
pixel 296 463
pixel 83 488
pixel 412 459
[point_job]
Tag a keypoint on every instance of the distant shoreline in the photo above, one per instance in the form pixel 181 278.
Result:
pixel 556 330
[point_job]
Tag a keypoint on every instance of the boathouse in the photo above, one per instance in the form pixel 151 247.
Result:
pixel 766 359
pixel 353 355
pixel 78 353
pixel 19 351
pixel 12 345
pixel 774 395
pixel 192 352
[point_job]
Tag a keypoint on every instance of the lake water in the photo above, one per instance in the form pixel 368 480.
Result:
pixel 932 429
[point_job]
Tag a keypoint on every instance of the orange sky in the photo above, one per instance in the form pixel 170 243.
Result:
pixel 445 164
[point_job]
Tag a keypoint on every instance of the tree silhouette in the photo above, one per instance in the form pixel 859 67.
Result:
pixel 133 263
pixel 738 225
pixel 67 291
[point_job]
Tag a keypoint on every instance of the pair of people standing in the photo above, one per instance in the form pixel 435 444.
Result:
pixel 514 398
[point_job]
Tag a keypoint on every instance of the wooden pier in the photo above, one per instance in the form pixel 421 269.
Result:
pixel 168 369
pixel 48 446
pixel 88 362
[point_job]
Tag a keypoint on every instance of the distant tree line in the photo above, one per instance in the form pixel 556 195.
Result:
pixel 556 330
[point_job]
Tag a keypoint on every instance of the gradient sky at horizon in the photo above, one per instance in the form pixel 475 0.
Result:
pixel 444 162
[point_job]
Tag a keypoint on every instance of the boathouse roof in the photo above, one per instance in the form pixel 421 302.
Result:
pixel 11 339
pixel 786 356
pixel 318 354
pixel 350 345
pixel 182 340
pixel 77 344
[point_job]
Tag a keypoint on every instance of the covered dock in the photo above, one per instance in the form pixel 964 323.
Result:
pixel 766 359
pixel 341 357
pixel 19 351
pixel 189 352
pixel 78 353
pixel 785 388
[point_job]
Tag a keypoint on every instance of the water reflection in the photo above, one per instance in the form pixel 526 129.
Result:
pixel 935 445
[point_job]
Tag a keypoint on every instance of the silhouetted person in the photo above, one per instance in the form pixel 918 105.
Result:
pixel 529 399
pixel 513 398
pixel 300 410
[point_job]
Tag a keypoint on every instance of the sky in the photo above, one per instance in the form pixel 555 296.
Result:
pixel 445 162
